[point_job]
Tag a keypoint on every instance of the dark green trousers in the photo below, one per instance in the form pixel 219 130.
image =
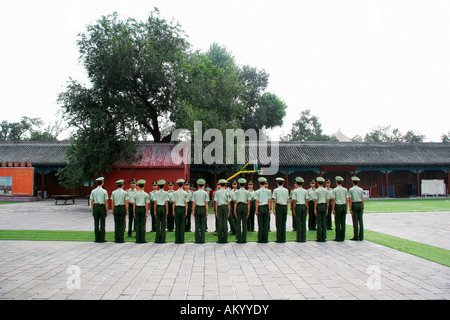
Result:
pixel 300 218
pixel 139 222
pixel 119 223
pixel 281 222
pixel 170 219
pixel 232 219
pixel 200 224
pixel 160 226
pixel 99 214
pixel 251 217
pixel 188 218
pixel 341 214
pixel 241 222
pixel 358 226
pixel 153 218
pixel 329 217
pixel 130 219
pixel 180 223
pixel 312 224
pixel 321 222
pixel 263 224
pixel 222 225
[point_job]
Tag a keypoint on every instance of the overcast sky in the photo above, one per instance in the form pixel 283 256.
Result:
pixel 355 64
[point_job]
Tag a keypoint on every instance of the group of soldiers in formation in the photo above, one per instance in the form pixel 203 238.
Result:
pixel 234 206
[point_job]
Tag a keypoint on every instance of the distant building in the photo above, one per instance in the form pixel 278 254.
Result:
pixel 340 136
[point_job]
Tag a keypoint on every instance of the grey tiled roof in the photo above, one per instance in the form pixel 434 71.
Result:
pixel 295 154
pixel 363 154
pixel 38 153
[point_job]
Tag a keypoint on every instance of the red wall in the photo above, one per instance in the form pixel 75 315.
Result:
pixel 148 174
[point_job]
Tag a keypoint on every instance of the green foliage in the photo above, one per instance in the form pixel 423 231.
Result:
pixel 307 128
pixel 446 137
pixel 28 129
pixel 388 134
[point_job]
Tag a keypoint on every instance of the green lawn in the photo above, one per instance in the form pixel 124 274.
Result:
pixel 407 205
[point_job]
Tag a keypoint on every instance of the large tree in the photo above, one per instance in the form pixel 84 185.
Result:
pixel 145 82
pixel 307 128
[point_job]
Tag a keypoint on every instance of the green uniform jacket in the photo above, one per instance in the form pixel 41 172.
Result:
pixel 119 196
pixel 281 194
pixel 300 195
pixel 99 195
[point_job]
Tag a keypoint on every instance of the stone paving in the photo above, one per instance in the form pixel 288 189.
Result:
pixel 331 270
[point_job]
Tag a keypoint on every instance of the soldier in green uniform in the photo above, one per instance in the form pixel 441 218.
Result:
pixel 263 204
pixel 141 203
pixel 312 195
pixel 99 207
pixel 200 200
pixel 170 218
pixel 130 193
pixel 356 202
pixel 222 205
pixel 266 185
pixel 321 209
pixel 300 208
pixel 161 207
pixel 232 218
pixel 152 207
pixel 280 198
pixel 242 200
pixel 340 207
pixel 179 211
pixel 119 211
pixel 251 213
pixel 330 204
pixel 187 186
pixel 294 221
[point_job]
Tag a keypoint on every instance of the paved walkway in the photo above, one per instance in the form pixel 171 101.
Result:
pixel 331 270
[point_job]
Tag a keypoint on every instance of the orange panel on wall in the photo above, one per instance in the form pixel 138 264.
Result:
pixel 16 181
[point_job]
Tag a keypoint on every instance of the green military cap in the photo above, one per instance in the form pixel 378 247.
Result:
pixel 299 179
pixel 120 181
pixel 250 183
pixel 339 178
pixel 187 183
pixel 262 179
pixel 279 179
pixel 320 179
pixel 355 179
pixel 242 180
pixel 154 183
pixel 161 182
pixel 132 181
pixel 201 181
pixel 234 182
pixel 100 179
pixel 142 181
pixel 328 180
pixel 223 181
pixel 312 181
pixel 180 181
pixel 170 184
